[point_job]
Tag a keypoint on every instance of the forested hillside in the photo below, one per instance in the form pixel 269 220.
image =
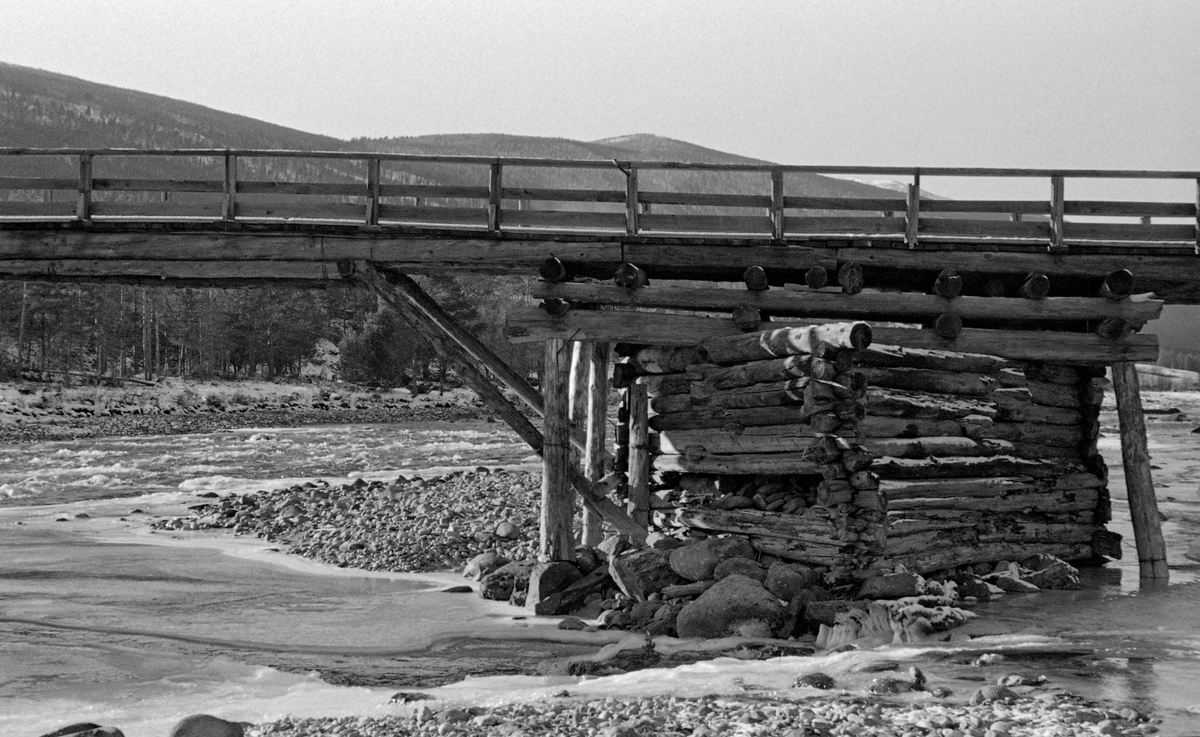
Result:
pixel 124 330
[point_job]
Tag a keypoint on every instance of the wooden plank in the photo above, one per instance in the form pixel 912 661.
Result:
pixel 866 304
pixel 1006 207
pixel 532 324
pixel 1146 266
pixel 856 204
pixel 38 183
pixel 157 185
pixel 1129 232
pixel 168 209
pixel 795 226
pixel 358 189
pixel 799 464
pixel 547 194
pixel 1130 209
pixel 998 229
pixel 171 271
pixel 564 220
pixel 632 202
pixel 433 216
pixel 371 216
pixel 1057 207
pixel 229 187
pixel 639 455
pixel 434 191
pixel 912 218
pixel 777 206
pixel 729 418
pixel 287 210
pixel 704 199
pixel 37 209
pixel 741 224
pixel 597 418
pixel 736 258
pixel 1135 456
pixel 495 196
pixel 714 441
pixel 557 540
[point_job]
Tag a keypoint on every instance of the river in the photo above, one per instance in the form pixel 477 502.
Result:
pixel 103 620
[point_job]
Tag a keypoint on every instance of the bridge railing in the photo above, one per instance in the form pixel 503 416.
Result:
pixel 475 194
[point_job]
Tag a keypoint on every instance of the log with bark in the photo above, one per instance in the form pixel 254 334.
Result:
pixel 732 349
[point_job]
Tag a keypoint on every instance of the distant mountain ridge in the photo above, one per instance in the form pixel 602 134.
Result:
pixel 50 110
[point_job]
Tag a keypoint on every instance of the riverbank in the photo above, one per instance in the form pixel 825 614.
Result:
pixel 38 412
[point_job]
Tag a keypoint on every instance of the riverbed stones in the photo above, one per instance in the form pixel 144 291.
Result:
pixel 1049 572
pixel 500 584
pixel 741 566
pixel 988 694
pixel 892 586
pixel 643 572
pixel 547 579
pixel 206 725
pixel 696 562
pixel 734 601
pixel 787 580
pixel 85 729
pixel 484 563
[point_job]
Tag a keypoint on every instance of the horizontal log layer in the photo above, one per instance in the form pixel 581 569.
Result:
pixel 786 341
pixel 174 273
pixel 769 464
pixel 865 305
pixel 814 527
pixel 935 557
pixel 731 419
pixel 1037 501
pixel 958 468
pixel 708 442
pixel 902 403
pixel 532 324
pixel 882 355
pixel 985 487
pixel 928 380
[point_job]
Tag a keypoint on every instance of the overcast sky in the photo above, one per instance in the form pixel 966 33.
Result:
pixel 1043 83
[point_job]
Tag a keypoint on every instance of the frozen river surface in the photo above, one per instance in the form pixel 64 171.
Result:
pixel 102 620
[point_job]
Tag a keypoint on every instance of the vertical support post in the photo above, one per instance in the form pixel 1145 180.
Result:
pixel 639 454
pixel 1057 211
pixel 1143 507
pixel 495 196
pixel 83 206
pixel 558 500
pixel 777 204
pixel 229 206
pixel 597 420
pixel 631 201
pixel 372 214
pixel 912 217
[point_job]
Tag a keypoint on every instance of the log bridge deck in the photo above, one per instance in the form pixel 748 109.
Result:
pixel 1033 280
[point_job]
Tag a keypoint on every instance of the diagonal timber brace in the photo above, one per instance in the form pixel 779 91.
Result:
pixel 443 332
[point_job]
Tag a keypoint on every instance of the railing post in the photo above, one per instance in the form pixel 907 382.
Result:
pixel 372 216
pixel 1057 210
pixel 777 204
pixel 913 216
pixel 83 206
pixel 1197 247
pixel 495 196
pixel 631 200
pixel 229 206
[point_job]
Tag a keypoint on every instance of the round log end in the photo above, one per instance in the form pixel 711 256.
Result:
pixel 948 284
pixel 556 307
pixel 553 270
pixel 747 317
pixel 816 277
pixel 630 276
pixel 1036 286
pixel 1118 285
pixel 850 277
pixel 861 335
pixel 755 278
pixel 948 325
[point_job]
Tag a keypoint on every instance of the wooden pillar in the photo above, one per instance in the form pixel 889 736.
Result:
pixel 597 418
pixel 581 379
pixel 558 502
pixel 1143 507
pixel 639 454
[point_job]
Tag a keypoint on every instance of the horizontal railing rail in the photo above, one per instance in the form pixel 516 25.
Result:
pixel 373 192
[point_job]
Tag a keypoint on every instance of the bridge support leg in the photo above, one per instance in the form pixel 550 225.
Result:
pixel 1143 507
pixel 589 412
pixel 558 507
pixel 592 494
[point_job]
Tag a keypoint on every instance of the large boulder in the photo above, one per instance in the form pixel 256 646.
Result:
pixel 483 564
pixel 643 572
pixel 85 729
pixel 204 725
pixel 500 584
pixel 550 578
pixel 1049 572
pixel 818 613
pixel 741 566
pixel 892 586
pixel 734 603
pixel 696 562
pixel 787 580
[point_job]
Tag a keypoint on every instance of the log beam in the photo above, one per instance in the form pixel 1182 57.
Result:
pixel 639 455
pixel 1135 455
pixel 557 540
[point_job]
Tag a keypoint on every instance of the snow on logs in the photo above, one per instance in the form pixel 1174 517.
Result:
pixel 823 448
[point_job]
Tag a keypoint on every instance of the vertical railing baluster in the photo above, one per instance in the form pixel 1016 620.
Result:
pixel 372 216
pixel 83 206
pixel 777 204
pixel 631 200
pixel 1057 211
pixel 1197 246
pixel 912 216
pixel 229 205
pixel 495 196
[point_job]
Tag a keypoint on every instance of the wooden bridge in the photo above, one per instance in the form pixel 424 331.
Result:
pixel 1035 280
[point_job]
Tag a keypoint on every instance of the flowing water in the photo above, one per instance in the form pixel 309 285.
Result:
pixel 103 620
